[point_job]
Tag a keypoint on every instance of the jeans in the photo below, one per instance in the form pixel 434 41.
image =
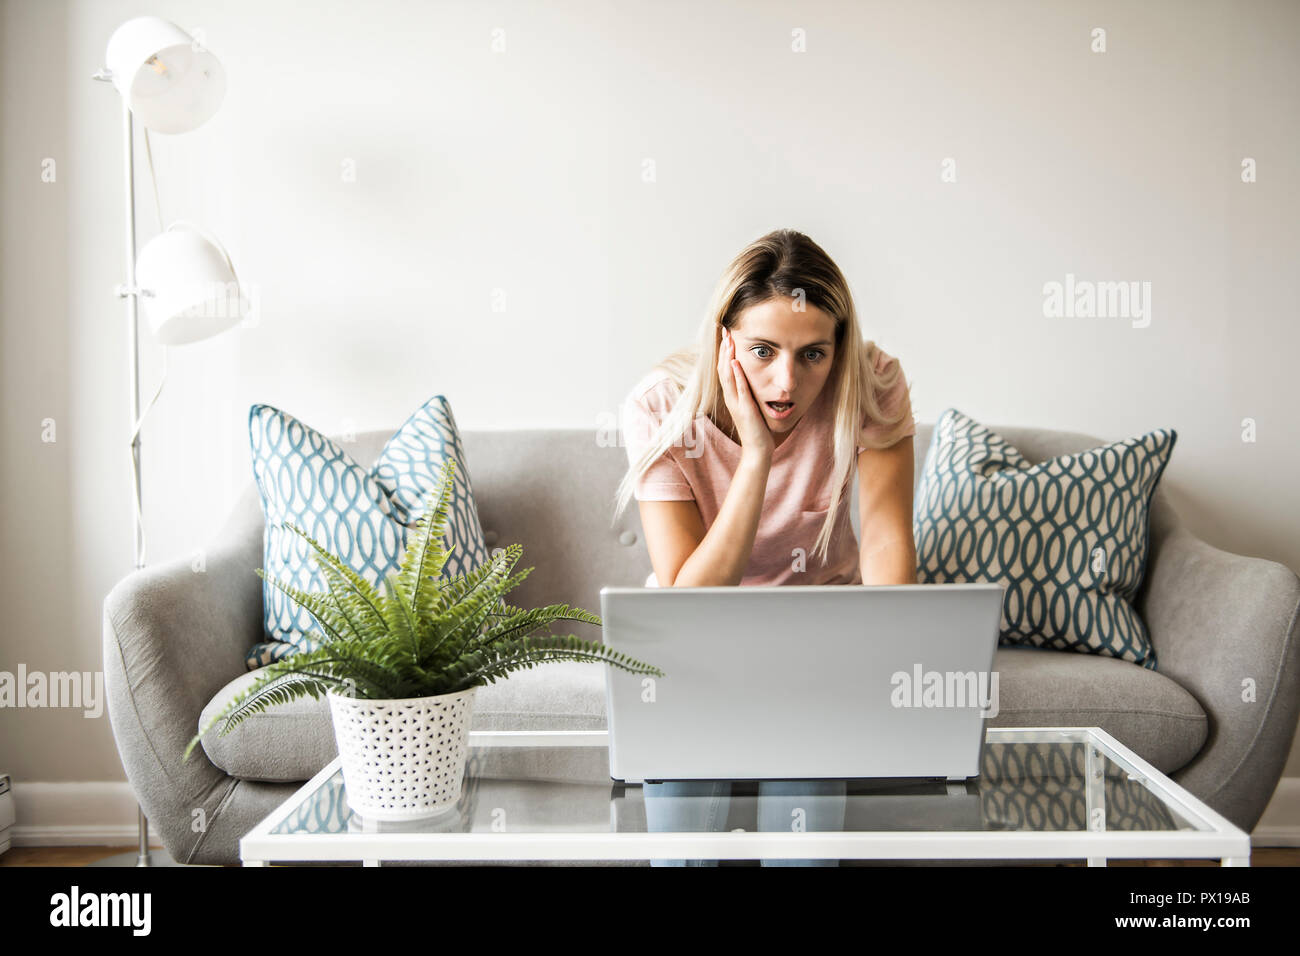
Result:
pixel 700 806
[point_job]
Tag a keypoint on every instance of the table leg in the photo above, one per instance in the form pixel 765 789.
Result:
pixel 1094 788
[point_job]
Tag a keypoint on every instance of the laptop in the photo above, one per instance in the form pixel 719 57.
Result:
pixel 789 682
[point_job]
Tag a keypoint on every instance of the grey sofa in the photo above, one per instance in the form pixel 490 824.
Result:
pixel 175 640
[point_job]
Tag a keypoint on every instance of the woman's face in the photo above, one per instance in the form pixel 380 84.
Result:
pixel 786 354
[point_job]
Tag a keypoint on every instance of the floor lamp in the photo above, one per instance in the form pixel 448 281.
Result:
pixel 171 84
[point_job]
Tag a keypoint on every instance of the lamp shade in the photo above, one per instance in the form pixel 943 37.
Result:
pixel 190 289
pixel 170 82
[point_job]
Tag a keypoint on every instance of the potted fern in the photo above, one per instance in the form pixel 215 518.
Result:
pixel 400 668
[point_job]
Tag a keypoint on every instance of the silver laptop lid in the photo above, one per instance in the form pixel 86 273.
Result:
pixel 801 682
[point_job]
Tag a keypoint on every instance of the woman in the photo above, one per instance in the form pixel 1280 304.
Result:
pixel 741 465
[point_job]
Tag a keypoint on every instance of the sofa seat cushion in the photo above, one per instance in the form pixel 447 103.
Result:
pixel 293 741
pixel 1144 710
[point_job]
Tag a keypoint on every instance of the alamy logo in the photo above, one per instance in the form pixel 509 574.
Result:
pixel 102 909
pixel 56 689
pixel 611 432
pixel 1098 300
pixel 945 689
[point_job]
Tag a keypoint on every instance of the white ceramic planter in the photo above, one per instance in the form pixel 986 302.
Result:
pixel 403 759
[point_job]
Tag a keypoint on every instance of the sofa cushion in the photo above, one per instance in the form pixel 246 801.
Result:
pixel 1147 712
pixel 361 515
pixel 292 741
pixel 1144 710
pixel 1067 537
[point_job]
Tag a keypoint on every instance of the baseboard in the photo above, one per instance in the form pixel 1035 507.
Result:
pixel 101 813
pixel 104 814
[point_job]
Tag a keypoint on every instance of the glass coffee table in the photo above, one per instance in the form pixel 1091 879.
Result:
pixel 1043 794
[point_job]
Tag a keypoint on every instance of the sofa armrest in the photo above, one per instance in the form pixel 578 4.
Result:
pixel 1223 624
pixel 173 636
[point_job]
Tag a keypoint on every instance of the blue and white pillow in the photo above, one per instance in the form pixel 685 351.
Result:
pixel 361 515
pixel 1068 536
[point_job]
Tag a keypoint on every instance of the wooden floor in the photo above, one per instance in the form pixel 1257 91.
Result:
pixel 84 855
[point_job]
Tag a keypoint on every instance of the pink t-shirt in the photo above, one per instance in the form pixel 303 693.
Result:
pixel 701 464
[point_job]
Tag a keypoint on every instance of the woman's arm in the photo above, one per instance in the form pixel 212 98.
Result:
pixel 723 554
pixel 885 479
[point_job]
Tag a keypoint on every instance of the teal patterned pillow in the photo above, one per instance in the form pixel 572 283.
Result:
pixel 1067 537
pixel 362 515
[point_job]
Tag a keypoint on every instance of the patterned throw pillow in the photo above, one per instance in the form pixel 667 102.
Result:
pixel 1068 536
pixel 360 515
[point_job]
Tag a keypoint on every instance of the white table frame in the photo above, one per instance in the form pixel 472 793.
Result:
pixel 1220 839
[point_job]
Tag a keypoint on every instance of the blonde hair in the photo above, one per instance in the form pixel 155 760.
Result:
pixel 784 263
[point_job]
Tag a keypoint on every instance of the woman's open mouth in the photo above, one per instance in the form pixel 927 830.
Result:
pixel 779 409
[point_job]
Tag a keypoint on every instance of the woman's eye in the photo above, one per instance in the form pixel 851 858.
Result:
pixel 816 354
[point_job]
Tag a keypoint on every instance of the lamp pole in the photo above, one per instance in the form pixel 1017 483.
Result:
pixel 129 291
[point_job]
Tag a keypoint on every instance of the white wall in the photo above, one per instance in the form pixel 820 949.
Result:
pixel 523 171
